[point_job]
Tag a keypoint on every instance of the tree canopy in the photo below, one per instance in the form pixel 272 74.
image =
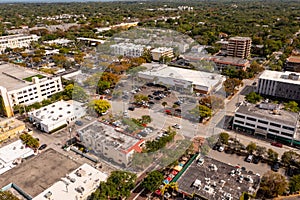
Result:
pixel 272 184
pixel 252 97
pixel 99 106
pixel 153 180
pixel 118 185
pixel 6 195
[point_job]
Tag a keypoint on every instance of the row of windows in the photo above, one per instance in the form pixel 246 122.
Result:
pixel 261 121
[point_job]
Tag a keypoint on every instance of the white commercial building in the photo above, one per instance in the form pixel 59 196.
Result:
pixel 157 53
pixel 127 49
pixel 56 115
pixel 11 154
pixel 16 41
pixel 268 120
pixel 21 86
pixel 279 84
pixel 183 79
pixel 106 141
pixel 77 185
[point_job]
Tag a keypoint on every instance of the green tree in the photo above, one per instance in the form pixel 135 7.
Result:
pixel 139 98
pixel 230 85
pixel 146 119
pixel 289 158
pixel 252 97
pixel 291 106
pixel 272 155
pixel 294 184
pixel 99 106
pixel 75 92
pixel 118 185
pixel 261 151
pixel 29 141
pixel 147 55
pixel 102 86
pixel 164 104
pixel 224 137
pixel 202 111
pixel 6 195
pixel 272 184
pixel 152 181
pixel 251 147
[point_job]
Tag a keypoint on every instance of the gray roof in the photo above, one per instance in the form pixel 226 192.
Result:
pixel 280 116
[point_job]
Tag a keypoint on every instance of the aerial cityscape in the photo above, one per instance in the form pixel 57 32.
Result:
pixel 143 100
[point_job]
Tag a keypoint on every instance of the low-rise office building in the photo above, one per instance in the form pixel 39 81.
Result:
pixel 128 49
pixel 183 79
pixel 279 84
pixel 268 120
pixel 16 41
pixel 293 63
pixel 107 142
pixel 11 155
pixel 21 86
pixel 157 53
pixel 56 115
pixel 10 128
pixel 228 61
pixel 78 184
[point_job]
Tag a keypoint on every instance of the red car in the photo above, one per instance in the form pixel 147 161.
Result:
pixel 277 144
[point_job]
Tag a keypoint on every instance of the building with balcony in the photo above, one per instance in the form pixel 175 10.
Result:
pixel 239 47
pixel 16 41
pixel 21 86
pixel 9 128
pixel 293 63
pixel 127 49
pixel 108 142
pixel 285 85
pixel 157 53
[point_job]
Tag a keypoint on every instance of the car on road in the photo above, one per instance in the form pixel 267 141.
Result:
pixel 249 158
pixel 43 146
pixel 177 126
pixel 277 144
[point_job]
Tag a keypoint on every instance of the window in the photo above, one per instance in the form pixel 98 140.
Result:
pixel 274 131
pixel 262 121
pixel 238 121
pixel 251 119
pixel 287 134
pixel 263 128
pixel 240 116
pixel 288 128
pixel 274 124
pixel 248 124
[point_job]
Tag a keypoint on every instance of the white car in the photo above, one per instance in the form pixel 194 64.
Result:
pixel 177 126
pixel 221 148
pixel 200 161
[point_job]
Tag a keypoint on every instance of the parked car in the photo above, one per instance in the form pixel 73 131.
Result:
pixel 177 126
pixel 249 158
pixel 79 123
pixel 276 144
pixel 43 146
pixel 200 161
pixel 131 108
pixel 256 160
pixel 221 148
pixel 275 167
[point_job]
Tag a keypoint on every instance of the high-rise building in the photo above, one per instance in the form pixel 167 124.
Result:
pixel 239 47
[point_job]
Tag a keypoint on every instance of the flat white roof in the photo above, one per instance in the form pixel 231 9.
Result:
pixel 280 76
pixel 58 111
pixel 11 152
pixel 68 188
pixel 128 45
pixel 161 50
pixel 195 77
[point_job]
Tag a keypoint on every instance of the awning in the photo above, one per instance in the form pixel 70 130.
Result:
pixel 178 168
